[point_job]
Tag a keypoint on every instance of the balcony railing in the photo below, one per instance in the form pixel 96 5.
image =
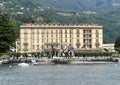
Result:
pixel 25 43
pixel 97 43
pixel 88 49
pixel 77 43
pixel 25 49
pixel 18 42
pixel 25 32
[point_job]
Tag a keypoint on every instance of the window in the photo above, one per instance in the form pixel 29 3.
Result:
pixel 51 35
pixel 78 35
pixel 78 40
pixel 65 35
pixel 51 31
pixel 42 47
pixel 52 40
pixel 61 41
pixel 97 35
pixel 97 40
pixel 78 46
pixel 77 32
pixel 70 40
pixel 33 31
pixel 25 31
pixel 97 43
pixel 56 40
pixel 37 46
pixel 32 40
pixel 32 46
pixel 87 43
pixel 42 31
pixel 42 35
pixel 87 35
pixel 90 35
pixel 65 31
pixel 89 31
pixel 25 48
pixel 70 36
pixel 33 35
pixel 47 40
pixel 25 40
pixel 37 40
pixel 37 31
pixel 66 40
pixel 61 31
pixel 56 35
pixel 61 35
pixel 47 35
pixel 42 40
pixel 86 31
pixel 25 36
pixel 56 31
pixel 97 31
pixel 47 32
pixel 70 32
pixel 37 35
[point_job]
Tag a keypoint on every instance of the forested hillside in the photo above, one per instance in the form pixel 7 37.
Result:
pixel 82 5
pixel 107 13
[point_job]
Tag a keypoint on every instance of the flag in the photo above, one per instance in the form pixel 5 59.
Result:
pixel 36 49
pixel 11 48
pixel 56 48
pixel 66 47
pixel 70 48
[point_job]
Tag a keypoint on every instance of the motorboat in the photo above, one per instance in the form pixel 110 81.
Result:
pixel 1 62
pixel 23 64
pixel 33 61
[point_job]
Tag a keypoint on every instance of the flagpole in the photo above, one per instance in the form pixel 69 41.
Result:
pixel 9 53
pixel 10 48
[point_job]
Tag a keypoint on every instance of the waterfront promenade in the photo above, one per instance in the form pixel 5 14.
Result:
pixel 61 60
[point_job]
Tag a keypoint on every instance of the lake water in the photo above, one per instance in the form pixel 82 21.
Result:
pixel 102 74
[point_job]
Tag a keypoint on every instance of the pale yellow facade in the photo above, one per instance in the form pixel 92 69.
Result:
pixel 42 36
pixel 109 47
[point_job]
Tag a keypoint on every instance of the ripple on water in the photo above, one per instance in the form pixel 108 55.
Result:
pixel 104 74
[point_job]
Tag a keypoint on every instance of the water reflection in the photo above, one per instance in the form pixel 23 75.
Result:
pixel 103 74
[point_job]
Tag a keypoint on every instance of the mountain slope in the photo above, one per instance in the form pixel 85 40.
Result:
pixel 25 11
pixel 12 6
pixel 84 5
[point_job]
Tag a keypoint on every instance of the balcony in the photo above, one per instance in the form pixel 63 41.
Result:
pixel 88 49
pixel 25 32
pixel 25 49
pixel 97 43
pixel 25 43
pixel 77 43
pixel 87 43
pixel 18 42
pixel 51 43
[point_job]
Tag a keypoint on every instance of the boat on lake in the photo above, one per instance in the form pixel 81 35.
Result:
pixel 33 61
pixel 23 64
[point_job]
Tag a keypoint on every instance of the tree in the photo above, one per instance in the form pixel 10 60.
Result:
pixel 7 33
pixel 117 44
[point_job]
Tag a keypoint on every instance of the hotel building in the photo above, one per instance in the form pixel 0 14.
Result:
pixel 42 36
